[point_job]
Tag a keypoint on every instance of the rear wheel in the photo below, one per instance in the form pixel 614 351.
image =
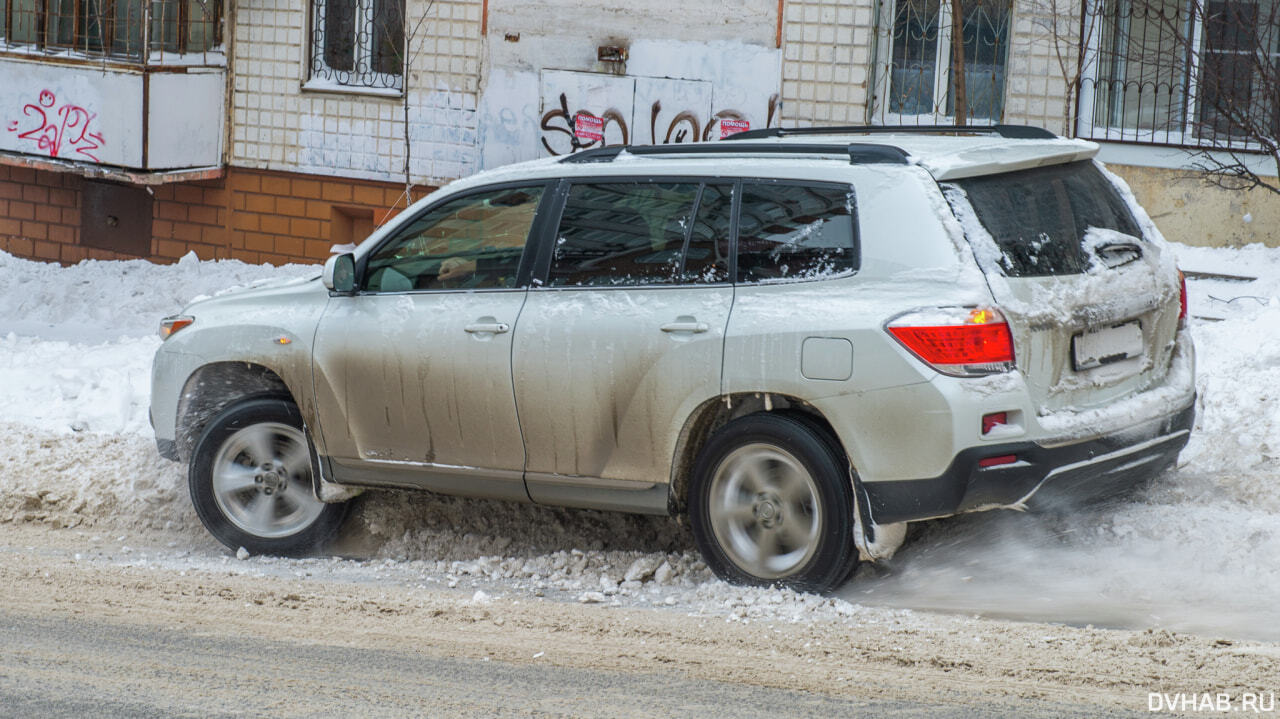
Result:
pixel 251 481
pixel 771 503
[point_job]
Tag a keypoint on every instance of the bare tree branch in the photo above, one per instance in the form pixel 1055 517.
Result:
pixel 1062 23
pixel 406 56
pixel 1235 112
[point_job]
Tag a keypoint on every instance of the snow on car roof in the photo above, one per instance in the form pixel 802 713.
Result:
pixel 950 156
pixel 946 156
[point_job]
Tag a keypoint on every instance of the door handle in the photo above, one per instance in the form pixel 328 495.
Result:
pixel 494 328
pixel 695 327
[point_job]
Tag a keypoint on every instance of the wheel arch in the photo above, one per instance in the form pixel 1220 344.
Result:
pixel 714 413
pixel 213 387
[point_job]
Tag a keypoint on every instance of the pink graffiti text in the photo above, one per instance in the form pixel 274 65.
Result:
pixel 64 131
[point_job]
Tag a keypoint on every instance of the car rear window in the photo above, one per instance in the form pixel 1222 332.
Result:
pixel 1038 218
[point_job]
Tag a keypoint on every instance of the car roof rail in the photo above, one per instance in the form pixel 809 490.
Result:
pixel 857 152
pixel 1012 132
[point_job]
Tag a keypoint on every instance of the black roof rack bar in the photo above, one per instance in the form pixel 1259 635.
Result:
pixel 595 154
pixel 1012 132
pixel 858 153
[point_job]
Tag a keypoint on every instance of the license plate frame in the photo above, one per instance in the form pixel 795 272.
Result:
pixel 1100 346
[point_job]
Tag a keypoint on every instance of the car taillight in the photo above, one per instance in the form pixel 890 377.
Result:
pixel 957 341
pixel 993 420
pixel 170 325
pixel 1182 298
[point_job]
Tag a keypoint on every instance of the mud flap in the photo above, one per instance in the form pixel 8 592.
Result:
pixel 874 541
pixel 323 489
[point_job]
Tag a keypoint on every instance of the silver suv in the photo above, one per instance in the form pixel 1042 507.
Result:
pixel 799 339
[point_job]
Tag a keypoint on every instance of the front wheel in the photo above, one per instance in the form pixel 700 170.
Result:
pixel 771 503
pixel 250 481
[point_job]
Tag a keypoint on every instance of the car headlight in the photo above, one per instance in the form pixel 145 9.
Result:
pixel 170 325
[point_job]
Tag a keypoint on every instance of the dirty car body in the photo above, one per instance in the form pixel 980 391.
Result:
pixel 798 341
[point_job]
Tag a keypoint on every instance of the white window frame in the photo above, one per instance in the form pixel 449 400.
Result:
pixel 880 113
pixel 1187 135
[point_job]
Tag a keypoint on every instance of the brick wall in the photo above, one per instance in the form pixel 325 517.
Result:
pixel 250 215
pixel 40 216
pixel 277 217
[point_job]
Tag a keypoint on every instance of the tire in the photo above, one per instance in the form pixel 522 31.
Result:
pixel 771 504
pixel 250 479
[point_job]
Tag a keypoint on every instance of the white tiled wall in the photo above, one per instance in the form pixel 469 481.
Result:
pixel 826 66
pixel 826 78
pixel 829 50
pixel 278 125
pixel 1036 91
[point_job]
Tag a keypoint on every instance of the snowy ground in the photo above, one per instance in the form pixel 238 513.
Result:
pixel 1196 553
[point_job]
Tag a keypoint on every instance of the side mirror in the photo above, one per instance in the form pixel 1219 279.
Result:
pixel 340 273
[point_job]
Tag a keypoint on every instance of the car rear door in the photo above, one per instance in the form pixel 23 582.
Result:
pixel 623 339
pixel 413 372
pixel 1093 304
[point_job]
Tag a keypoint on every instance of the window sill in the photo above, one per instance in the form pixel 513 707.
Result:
pixel 1178 158
pixel 212 58
pixel 328 86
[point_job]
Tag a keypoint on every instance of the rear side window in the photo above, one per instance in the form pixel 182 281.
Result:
pixel 623 233
pixel 796 231
pixel 1038 218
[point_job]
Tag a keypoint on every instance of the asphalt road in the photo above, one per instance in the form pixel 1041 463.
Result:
pixel 74 667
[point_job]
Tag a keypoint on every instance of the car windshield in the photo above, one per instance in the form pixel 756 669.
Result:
pixel 1039 218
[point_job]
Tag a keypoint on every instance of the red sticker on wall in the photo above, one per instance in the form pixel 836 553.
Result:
pixel 588 127
pixel 732 127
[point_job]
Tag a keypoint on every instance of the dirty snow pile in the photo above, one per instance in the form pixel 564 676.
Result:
pixel 1195 552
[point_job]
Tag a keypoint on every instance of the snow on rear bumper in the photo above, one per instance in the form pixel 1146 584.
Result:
pixel 1068 456
pixel 1174 392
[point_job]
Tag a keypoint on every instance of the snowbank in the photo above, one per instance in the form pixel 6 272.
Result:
pixel 75 352
pixel 95 301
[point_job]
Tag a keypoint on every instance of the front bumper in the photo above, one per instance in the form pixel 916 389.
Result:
pixel 1041 477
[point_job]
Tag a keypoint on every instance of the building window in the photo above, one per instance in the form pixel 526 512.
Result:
pixel 918 81
pixel 1179 72
pixel 113 28
pixel 357 43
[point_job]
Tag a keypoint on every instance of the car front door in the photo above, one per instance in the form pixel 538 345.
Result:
pixel 413 372
pixel 622 339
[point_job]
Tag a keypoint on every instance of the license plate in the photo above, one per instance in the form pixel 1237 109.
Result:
pixel 1098 347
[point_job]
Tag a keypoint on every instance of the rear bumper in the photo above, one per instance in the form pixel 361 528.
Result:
pixel 1041 477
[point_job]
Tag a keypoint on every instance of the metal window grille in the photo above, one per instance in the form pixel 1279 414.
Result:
pixel 358 43
pixel 1181 72
pixel 118 29
pixel 919 64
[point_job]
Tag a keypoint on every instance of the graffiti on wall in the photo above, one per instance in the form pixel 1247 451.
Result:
pixel 580 111
pixel 560 121
pixel 561 125
pixel 58 131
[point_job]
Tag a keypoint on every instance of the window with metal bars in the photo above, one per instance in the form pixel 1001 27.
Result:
pixel 357 43
pixel 112 28
pixel 921 75
pixel 1181 72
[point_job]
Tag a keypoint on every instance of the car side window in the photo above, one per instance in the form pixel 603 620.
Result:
pixel 473 242
pixel 796 231
pixel 622 233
